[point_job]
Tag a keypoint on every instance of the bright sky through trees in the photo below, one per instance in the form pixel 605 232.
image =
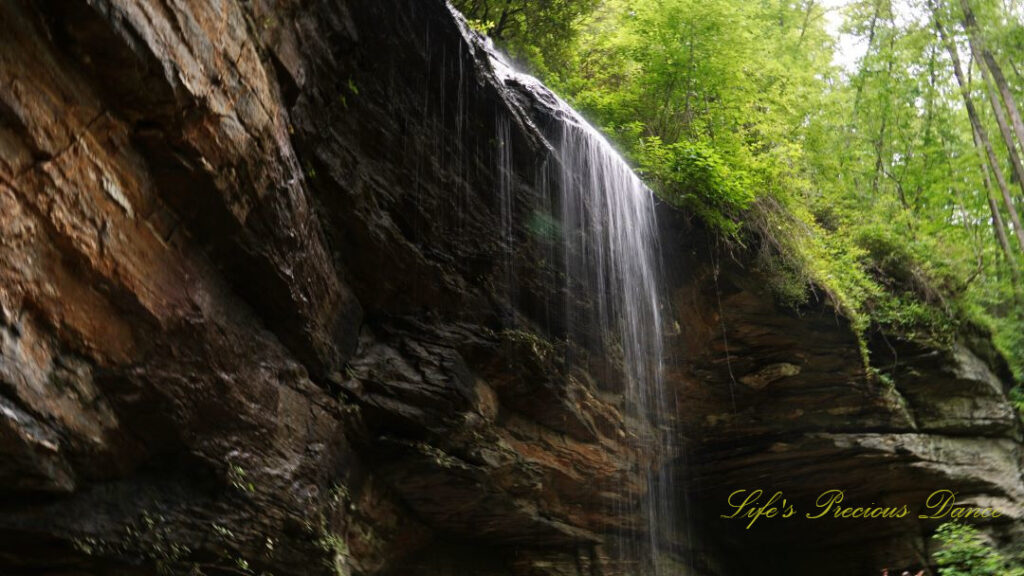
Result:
pixel 848 48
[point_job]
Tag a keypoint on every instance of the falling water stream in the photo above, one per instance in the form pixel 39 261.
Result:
pixel 609 246
pixel 610 243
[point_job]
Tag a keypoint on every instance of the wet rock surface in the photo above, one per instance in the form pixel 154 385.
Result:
pixel 779 400
pixel 258 312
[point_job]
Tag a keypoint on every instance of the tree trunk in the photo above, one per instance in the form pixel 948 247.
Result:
pixel 998 226
pixel 976 124
pixel 880 160
pixel 860 74
pixel 807 21
pixel 1000 114
pixel 971 25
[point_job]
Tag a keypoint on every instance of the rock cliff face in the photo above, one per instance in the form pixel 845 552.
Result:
pixel 256 316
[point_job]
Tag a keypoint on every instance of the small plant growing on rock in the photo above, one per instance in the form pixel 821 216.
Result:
pixel 1017 398
pixel 237 476
pixel 964 552
pixel 148 538
pixel 337 547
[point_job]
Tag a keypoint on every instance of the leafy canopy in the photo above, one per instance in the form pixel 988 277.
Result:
pixel 865 182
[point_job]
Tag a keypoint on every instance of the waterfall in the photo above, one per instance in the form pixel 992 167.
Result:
pixel 610 243
pixel 609 250
pixel 610 247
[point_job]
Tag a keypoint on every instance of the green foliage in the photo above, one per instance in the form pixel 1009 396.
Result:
pixel 965 553
pixel 694 175
pixel 861 185
pixel 536 32
pixel 1017 398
